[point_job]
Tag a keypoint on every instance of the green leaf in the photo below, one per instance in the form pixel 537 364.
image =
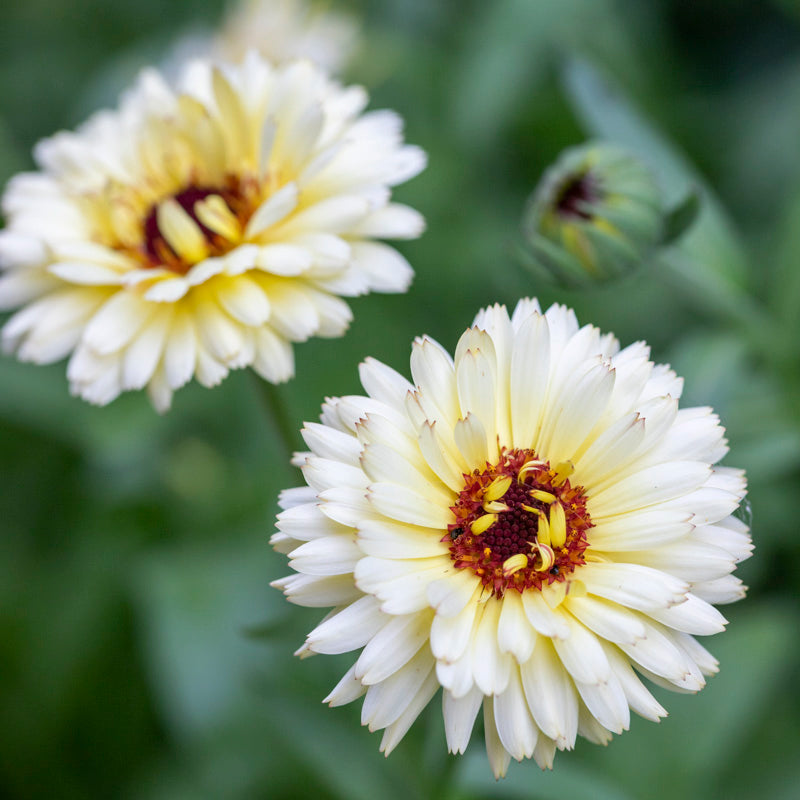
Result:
pixel 681 218
pixel 194 606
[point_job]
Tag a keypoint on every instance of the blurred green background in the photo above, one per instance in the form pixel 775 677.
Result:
pixel 143 654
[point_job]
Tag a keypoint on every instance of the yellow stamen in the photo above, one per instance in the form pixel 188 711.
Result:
pixel 529 466
pixel 497 488
pixel 561 472
pixel 558 525
pixel 530 509
pixel 514 564
pixel 542 496
pixel 543 531
pixel 483 524
pixel 495 507
pixel 544 559
pixel 181 232
pixel 215 214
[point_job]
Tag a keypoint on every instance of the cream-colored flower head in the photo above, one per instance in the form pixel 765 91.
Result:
pixel 282 30
pixel 203 229
pixel 533 526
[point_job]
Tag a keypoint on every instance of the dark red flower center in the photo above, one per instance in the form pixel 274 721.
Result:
pixel 519 523
pixel 576 195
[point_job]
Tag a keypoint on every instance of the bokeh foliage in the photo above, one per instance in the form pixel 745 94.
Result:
pixel 143 654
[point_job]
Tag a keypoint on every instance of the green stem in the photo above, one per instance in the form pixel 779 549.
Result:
pixel 282 423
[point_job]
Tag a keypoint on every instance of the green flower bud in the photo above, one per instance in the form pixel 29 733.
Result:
pixel 596 215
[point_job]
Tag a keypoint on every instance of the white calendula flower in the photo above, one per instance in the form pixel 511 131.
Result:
pixel 532 526
pixel 198 230
pixel 286 29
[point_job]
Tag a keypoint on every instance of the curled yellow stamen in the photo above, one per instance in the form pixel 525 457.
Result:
pixel 542 496
pixel 497 488
pixel 495 507
pixel 544 559
pixel 561 472
pixel 514 564
pixel 483 524
pixel 529 466
pixel 543 531
pixel 558 525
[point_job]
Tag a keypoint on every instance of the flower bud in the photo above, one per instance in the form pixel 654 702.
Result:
pixel 596 215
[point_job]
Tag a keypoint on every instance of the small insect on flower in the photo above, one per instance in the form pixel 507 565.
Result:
pixel 203 229
pixel 533 526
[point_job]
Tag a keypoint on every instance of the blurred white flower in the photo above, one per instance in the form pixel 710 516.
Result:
pixel 527 527
pixel 196 231
pixel 282 30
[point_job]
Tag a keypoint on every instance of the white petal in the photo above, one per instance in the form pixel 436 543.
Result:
pixel 406 505
pixel 470 437
pixel 692 616
pixel 272 211
pixel 499 758
pixel 581 653
pixel 383 268
pixel 394 221
pixel 331 444
pixel 348 629
pixel 638 697
pixel 607 703
pixel 383 383
pixel 490 667
pixel 515 726
pixel 398 729
pixel 274 359
pixel 633 585
pixel 144 352
pixel 318 592
pixel 387 700
pixel 244 300
pixel 475 380
pixel 400 585
pixel 451 595
pixel 459 718
pixel 450 636
pixel 330 555
pixel 542 617
pixel 551 694
pixel 720 591
pixel 649 486
pixel 608 620
pixel 117 322
pixel 386 539
pixel 392 647
pixel 446 468
pixel 348 689
pixel 515 634
pixel 640 530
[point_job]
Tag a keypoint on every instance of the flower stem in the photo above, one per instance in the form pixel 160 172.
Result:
pixel 275 404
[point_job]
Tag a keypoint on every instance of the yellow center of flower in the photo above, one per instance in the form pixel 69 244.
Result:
pixel 519 524
pixel 196 223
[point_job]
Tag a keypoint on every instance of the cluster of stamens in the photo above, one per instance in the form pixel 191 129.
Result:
pixel 519 523
pixel 197 223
